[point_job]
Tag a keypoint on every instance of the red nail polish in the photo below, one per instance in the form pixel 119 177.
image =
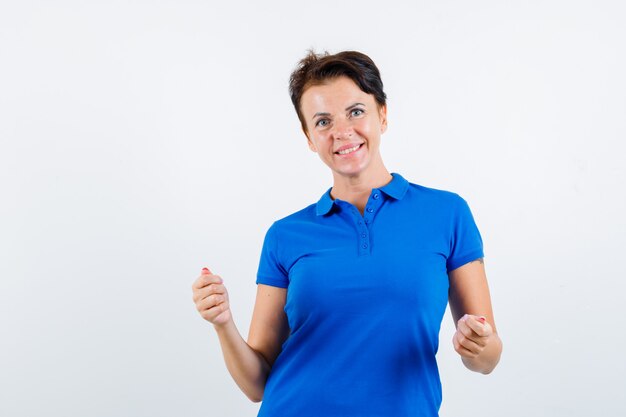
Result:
pixel 481 319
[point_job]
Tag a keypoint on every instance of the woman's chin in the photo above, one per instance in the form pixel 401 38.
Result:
pixel 349 171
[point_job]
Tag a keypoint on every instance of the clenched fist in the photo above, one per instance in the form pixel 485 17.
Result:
pixel 211 298
pixel 472 335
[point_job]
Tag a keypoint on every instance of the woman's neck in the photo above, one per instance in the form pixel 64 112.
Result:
pixel 356 190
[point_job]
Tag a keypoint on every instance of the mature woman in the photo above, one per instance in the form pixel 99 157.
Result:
pixel 352 289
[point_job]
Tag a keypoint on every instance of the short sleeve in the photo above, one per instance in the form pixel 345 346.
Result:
pixel 466 244
pixel 270 271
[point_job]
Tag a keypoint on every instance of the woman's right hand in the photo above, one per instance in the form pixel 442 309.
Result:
pixel 211 298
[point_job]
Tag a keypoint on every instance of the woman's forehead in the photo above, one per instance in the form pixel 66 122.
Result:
pixel 336 93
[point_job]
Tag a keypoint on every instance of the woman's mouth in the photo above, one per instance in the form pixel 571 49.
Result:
pixel 349 151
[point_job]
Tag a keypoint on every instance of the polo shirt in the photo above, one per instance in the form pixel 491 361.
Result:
pixel 366 295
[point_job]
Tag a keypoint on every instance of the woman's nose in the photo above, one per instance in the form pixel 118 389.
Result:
pixel 342 129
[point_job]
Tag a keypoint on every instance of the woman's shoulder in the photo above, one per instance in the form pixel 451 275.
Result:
pixel 435 194
pixel 303 215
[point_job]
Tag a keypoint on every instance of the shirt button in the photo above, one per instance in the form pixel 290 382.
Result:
pixel 363 235
pixel 365 246
pixel 367 221
pixel 376 196
pixel 360 222
pixel 370 210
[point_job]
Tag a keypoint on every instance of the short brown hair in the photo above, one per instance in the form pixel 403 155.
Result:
pixel 315 69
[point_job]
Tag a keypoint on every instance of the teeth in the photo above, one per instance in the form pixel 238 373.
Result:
pixel 345 151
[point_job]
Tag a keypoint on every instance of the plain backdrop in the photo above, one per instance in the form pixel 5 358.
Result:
pixel 143 140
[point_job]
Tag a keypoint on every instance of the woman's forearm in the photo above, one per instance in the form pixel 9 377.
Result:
pixel 248 368
pixel 487 360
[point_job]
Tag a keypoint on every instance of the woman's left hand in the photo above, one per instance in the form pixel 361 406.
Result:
pixel 472 335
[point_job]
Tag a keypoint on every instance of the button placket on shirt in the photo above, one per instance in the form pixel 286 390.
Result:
pixel 362 232
pixel 373 204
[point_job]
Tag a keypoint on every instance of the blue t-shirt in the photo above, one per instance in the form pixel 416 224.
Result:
pixel 366 295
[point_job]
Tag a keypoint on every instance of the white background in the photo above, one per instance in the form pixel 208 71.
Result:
pixel 143 140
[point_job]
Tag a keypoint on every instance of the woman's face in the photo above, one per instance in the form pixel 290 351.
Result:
pixel 344 125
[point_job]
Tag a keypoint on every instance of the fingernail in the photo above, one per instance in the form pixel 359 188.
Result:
pixel 481 319
pixel 205 270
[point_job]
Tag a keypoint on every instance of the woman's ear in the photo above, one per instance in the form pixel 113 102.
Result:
pixel 383 118
pixel 308 139
pixel 311 144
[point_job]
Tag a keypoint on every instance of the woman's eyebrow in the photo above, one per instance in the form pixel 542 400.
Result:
pixel 354 105
pixel 320 114
pixel 328 114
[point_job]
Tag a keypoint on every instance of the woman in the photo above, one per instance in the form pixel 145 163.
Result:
pixel 352 289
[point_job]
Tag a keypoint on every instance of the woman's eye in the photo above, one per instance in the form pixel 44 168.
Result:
pixel 322 122
pixel 356 112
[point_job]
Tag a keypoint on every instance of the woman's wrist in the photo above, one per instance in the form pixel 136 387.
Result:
pixel 486 361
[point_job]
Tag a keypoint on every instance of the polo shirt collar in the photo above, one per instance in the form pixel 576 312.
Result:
pixel 395 189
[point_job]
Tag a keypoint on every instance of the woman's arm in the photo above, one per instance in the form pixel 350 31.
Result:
pixel 250 362
pixel 476 338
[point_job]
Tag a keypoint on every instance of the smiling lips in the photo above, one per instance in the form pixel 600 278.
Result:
pixel 348 149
